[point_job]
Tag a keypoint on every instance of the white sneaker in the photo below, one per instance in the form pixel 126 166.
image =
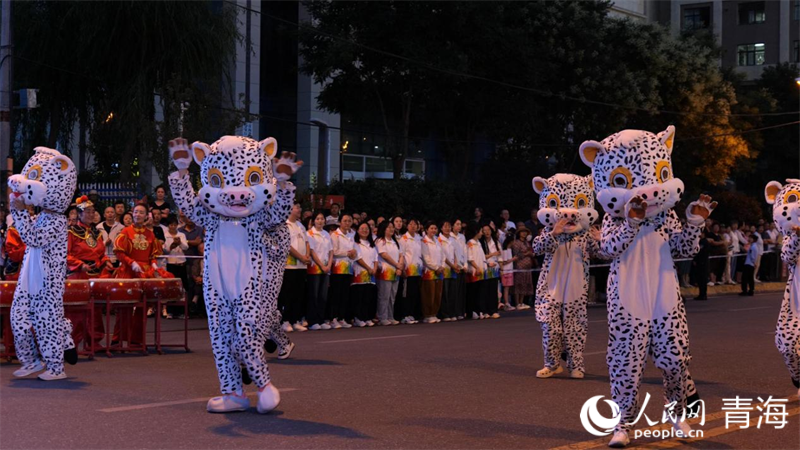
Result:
pixel 315 327
pixel 50 376
pixel 370 323
pixel 484 316
pixel 268 399
pixel 33 367
pixel 325 326
pixel 344 324
pixel 428 320
pixel 287 352
pixel 298 327
pixel 510 308
pixel 359 323
pixel 460 318
pixel 710 283
pixel 386 322
pixel 287 327
pixel 335 324
pixel 228 403
pixel 475 316
pixel 576 373
pixel 495 316
pixel 619 439
pixel 394 322
pixel 304 322
pixel 681 427
pixel 547 372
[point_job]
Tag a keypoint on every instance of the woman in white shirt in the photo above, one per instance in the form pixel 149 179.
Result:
pixel 492 249
pixel 391 266
pixel 409 298
pixel 175 243
pixel 451 275
pixel 293 288
pixel 460 249
pixel 319 269
pixel 432 275
pixel 363 291
pixel 476 282
pixel 344 253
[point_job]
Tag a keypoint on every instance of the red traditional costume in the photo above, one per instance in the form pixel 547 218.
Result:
pixel 14 249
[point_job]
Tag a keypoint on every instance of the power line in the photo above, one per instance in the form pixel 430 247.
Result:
pixel 506 84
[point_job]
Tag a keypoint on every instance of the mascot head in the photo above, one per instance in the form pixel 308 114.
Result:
pixel 47 180
pixel 237 174
pixel 566 196
pixel 785 201
pixel 631 163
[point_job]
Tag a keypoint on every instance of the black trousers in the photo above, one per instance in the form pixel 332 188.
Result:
pixel 293 295
pixel 338 297
pixel 408 298
pixel 364 300
pixel 179 270
pixel 748 281
pixel 317 292
pixel 475 292
pixel 490 296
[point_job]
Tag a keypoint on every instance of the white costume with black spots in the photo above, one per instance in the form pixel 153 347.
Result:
pixel 561 294
pixel 646 315
pixel 47 181
pixel 785 201
pixel 244 214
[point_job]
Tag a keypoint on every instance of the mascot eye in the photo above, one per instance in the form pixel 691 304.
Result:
pixel 663 172
pixel 215 178
pixel 581 201
pixel 35 173
pixel 791 197
pixel 553 202
pixel 620 178
pixel 253 176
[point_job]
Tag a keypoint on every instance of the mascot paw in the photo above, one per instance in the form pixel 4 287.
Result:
pixel 636 209
pixel 268 398
pixel 286 166
pixel 698 211
pixel 180 154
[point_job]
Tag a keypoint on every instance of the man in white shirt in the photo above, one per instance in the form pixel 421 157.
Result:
pixel 777 243
pixel 333 218
pixel 743 241
pixel 510 223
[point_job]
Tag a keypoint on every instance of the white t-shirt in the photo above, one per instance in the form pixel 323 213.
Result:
pixel 320 242
pixel 460 249
pixel 342 244
pixel 388 272
pixel 176 254
pixel 412 251
pixel 432 256
pixel 369 255
pixel 297 234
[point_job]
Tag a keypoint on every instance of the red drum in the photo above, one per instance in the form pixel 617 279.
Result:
pixel 116 290
pixel 7 289
pixel 77 292
pixel 163 289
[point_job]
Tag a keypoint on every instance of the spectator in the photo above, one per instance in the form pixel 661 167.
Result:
pixel 523 263
pixel 408 303
pixel 356 219
pixel 373 227
pixel 364 292
pixel 717 248
pixel 294 277
pixel 737 246
pixel 380 219
pixel 760 244
pixel 748 279
pixel 160 202
pixel 95 199
pixel 305 217
pixel 478 215
pixel 507 218
pixel 333 217
pixel 507 269
pixel 391 264
pixel 154 224
pixel 194 238
pixel 197 281
pixel 119 210
pixel 491 247
pixel 175 245
pixel 476 284
pixel 344 253
pixel 460 250
pixel 110 229
pixel 433 263
pixel 533 223
pixel 399 227
pixel 452 272
pixel 701 266
pixel 321 246
pixel 127 219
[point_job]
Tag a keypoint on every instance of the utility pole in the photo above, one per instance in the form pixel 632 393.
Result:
pixel 5 93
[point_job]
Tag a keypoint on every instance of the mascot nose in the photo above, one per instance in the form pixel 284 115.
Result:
pixel 237 195
pixel 650 193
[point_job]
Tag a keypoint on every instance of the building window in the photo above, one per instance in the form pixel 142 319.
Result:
pixel 696 18
pixel 751 54
pixel 797 10
pixel 752 12
pixel 796 51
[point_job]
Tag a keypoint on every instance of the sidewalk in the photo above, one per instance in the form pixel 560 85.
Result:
pixel 772 286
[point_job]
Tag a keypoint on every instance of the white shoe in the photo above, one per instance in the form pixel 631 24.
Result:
pixel 710 283
pixel 394 322
pixel 315 327
pixel 437 320
pixel 428 320
pixel 228 403
pixel 547 372
pixel 495 316
pixel 681 427
pixel 475 316
pixel 386 322
pixel 359 323
pixel 268 399
pixel 50 376
pixel 370 323
pixel 460 318
pixel 325 326
pixel 344 324
pixel 287 327
pixel 576 373
pixel 619 439
pixel 304 322
pixel 33 367
pixel 510 308
pixel 298 327
pixel 484 316
pixel 335 324
pixel 287 352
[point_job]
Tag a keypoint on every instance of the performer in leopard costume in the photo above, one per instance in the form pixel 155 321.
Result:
pixel 785 201
pixel 242 207
pixel 633 180
pixel 566 208
pixel 37 313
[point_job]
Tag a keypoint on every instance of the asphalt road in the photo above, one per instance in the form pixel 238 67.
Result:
pixel 448 385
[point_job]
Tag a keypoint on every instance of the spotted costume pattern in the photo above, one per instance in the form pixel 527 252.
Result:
pixel 646 315
pixel 561 293
pixel 785 201
pixel 37 313
pixel 244 214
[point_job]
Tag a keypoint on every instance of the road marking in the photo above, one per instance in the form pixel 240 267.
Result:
pixel 368 339
pixel 172 403
pixel 603 441
pixel 750 309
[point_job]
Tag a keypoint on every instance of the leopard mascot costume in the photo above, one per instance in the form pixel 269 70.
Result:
pixel 37 313
pixel 633 180
pixel 243 207
pixel 566 208
pixel 785 201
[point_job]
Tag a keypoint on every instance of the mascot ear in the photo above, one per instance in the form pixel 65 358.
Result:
pixel 771 191
pixel 200 150
pixel 589 151
pixel 63 163
pixel 667 138
pixel 539 184
pixel 269 146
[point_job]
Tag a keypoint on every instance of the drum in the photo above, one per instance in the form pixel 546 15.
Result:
pixel 116 290
pixel 77 292
pixel 163 289
pixel 7 289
